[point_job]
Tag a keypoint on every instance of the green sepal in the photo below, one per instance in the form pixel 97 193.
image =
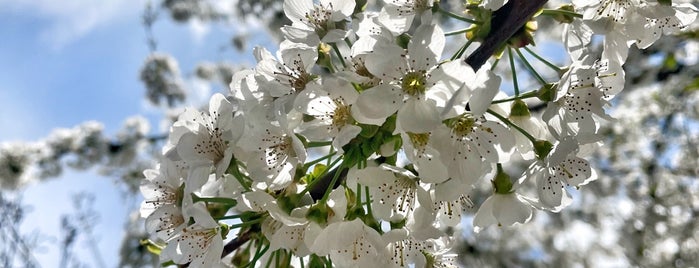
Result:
pixel 403 40
pixel 359 6
pixel 289 202
pixel 241 257
pixel 316 262
pixel 547 92
pixel 519 108
pixel 319 213
pixel 224 230
pixel 368 131
pixel 502 184
pixel 542 149
pixel 566 18
pixel 398 224
pixel 168 263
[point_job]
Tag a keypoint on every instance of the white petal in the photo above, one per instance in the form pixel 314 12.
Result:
pixel 508 210
pixel 418 116
pixel 296 10
pixel 484 216
pixel 378 102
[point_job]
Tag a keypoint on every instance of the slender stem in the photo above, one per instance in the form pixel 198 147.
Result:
pixel 339 55
pixel 301 262
pixel 258 253
pixel 464 30
pixel 368 201
pixel 461 50
pixel 549 64
pixel 330 188
pixel 310 164
pixel 327 168
pixel 276 258
pixel 553 12
pixel 530 94
pixel 229 217
pixel 531 69
pixel 497 60
pixel 508 122
pixel 448 13
pixel 514 71
pixel 269 261
pixel 247 223
pixel 240 177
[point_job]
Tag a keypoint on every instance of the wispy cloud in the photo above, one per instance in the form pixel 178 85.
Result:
pixel 70 20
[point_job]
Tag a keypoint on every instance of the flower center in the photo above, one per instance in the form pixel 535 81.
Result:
pixel 464 125
pixel 419 140
pixel 341 116
pixel 414 83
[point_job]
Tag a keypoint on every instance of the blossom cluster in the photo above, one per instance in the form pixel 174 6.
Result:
pixel 357 143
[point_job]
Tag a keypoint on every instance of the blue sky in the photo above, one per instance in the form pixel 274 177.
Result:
pixel 66 62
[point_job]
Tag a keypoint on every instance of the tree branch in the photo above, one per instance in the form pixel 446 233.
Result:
pixel 234 244
pixel 506 21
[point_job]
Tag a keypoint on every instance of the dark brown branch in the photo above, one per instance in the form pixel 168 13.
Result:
pixel 236 243
pixel 506 21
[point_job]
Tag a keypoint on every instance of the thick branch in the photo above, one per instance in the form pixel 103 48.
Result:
pixel 506 21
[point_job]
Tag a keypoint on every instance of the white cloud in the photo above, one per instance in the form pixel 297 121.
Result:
pixel 72 19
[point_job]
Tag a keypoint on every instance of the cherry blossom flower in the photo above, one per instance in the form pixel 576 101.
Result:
pixel 204 141
pixel 199 244
pixel 315 23
pixel 351 244
pixel 409 77
pixel 562 168
pixel 163 194
pixel 398 15
pixel 331 111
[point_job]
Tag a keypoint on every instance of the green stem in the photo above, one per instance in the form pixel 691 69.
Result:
pixel 497 60
pixel 514 71
pixel 508 122
pixel 247 223
pixel 530 94
pixel 327 168
pixel 549 64
pixel 258 254
pixel 464 30
pixel 332 182
pixel 339 55
pixel 531 69
pixel 269 261
pixel 449 14
pixel 368 201
pixel 310 164
pixel 461 50
pixel 553 12
pixel 240 177
pixel 229 217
